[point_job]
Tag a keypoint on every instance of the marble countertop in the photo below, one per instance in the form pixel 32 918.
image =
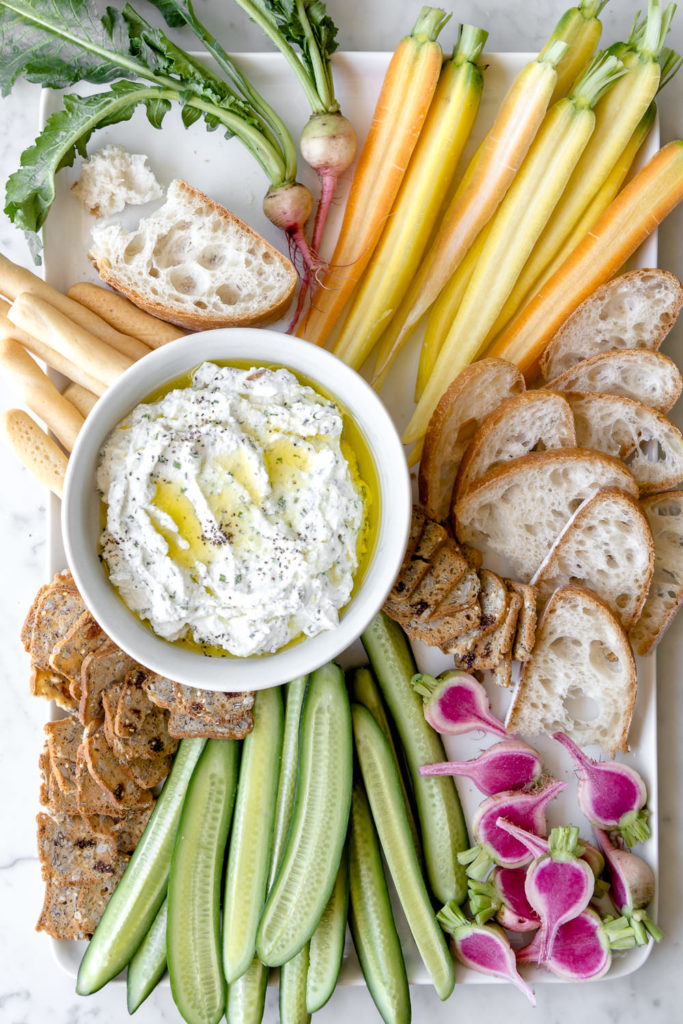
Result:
pixel 33 988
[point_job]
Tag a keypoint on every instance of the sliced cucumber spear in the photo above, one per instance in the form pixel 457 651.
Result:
pixel 138 896
pixel 247 995
pixel 370 917
pixel 383 788
pixel 251 839
pixel 149 963
pixel 194 886
pixel 294 698
pixel 320 816
pixel 293 977
pixel 327 943
pixel 442 824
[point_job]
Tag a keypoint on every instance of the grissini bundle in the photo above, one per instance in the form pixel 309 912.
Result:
pixel 42 350
pixel 79 396
pixel 124 315
pixel 46 323
pixel 40 394
pixel 15 279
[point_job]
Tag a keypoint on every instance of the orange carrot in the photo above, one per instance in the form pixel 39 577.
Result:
pixel 625 224
pixel 401 109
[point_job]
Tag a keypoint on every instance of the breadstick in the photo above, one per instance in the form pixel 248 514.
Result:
pixel 80 397
pixel 15 279
pixel 38 348
pixel 44 322
pixel 35 449
pixel 40 394
pixel 124 315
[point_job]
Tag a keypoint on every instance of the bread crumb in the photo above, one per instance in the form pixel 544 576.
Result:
pixel 111 178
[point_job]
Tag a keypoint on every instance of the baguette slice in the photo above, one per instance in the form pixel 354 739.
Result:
pixel 533 421
pixel 634 310
pixel 517 510
pixel 648 377
pixel 195 264
pixel 665 515
pixel 465 404
pixel 607 547
pixel 650 444
pixel 582 657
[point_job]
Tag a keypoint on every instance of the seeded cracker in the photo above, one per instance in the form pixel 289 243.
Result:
pixel 63 740
pixel 126 829
pixel 70 854
pixel 106 666
pixel 108 772
pixel 84 638
pixel 58 916
pixel 181 725
pixel 58 610
pixel 51 686
pixel 160 691
pixel 93 898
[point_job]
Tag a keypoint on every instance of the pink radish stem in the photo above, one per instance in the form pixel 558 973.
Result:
pixel 495 845
pixel 582 946
pixel 558 884
pixel 509 764
pixel 456 703
pixel 328 145
pixel 483 947
pixel 632 887
pixel 611 795
pixel 503 897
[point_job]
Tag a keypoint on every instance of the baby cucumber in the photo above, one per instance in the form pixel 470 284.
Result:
pixel 315 841
pixel 294 698
pixel 194 886
pixel 327 943
pixel 383 788
pixel 138 896
pixel 363 689
pixel 149 963
pixel 247 995
pixel 293 976
pixel 442 824
pixel 370 917
pixel 246 878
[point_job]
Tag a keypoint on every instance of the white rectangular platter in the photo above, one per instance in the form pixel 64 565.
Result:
pixel 225 171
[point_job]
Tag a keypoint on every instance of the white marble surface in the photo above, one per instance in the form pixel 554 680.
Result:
pixel 32 988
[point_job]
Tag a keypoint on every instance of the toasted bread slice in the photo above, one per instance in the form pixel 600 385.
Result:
pixel 525 635
pixel 651 445
pixel 634 310
pixel 665 515
pixel 648 377
pixel 195 264
pixel 518 509
pixel 486 653
pixel 606 546
pixel 493 601
pixel 448 567
pixel 474 393
pixel 533 421
pixel 462 595
pixel 581 653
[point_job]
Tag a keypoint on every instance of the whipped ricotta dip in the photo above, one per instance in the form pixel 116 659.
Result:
pixel 232 514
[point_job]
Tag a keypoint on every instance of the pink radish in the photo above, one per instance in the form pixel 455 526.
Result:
pixel 456 703
pixel 611 795
pixel 328 145
pixel 483 947
pixel 509 764
pixel 558 884
pixel 583 946
pixel 503 897
pixel 495 845
pixel 632 887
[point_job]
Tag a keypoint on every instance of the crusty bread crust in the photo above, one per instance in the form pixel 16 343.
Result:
pixel 617 565
pixel 202 319
pixel 469 399
pixel 665 515
pixel 562 351
pixel 515 428
pixel 637 373
pixel 524 533
pixel 569 666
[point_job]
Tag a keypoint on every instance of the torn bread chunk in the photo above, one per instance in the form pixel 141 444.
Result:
pixel 112 178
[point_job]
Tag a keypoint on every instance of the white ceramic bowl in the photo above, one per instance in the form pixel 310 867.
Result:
pixel 81 508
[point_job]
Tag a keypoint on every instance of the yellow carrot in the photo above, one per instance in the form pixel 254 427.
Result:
pixel 625 224
pixel 432 166
pixel 401 109
pixel 581 28
pixel 518 223
pixel 441 316
pixel 497 161
pixel 617 117
pixel 595 210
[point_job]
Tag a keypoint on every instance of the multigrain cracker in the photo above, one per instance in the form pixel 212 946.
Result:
pixel 70 854
pixel 69 653
pixel 107 665
pixel 108 772
pixel 58 610
pixel 64 737
pixel 58 916
pixel 182 725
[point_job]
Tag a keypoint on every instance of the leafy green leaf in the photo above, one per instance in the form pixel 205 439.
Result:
pixel 60 42
pixel 285 14
pixel 30 191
